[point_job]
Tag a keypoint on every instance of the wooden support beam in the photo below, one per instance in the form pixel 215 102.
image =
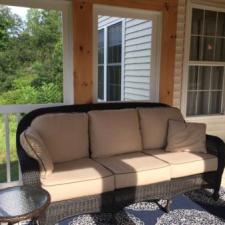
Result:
pixel 83 44
pixel 83 52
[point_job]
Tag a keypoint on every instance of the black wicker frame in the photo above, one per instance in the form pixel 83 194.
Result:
pixel 116 200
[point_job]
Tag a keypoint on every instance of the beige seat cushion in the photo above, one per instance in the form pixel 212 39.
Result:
pixel 186 163
pixel 78 178
pixel 154 125
pixel 36 149
pixel 114 132
pixel 188 137
pixel 136 169
pixel 65 135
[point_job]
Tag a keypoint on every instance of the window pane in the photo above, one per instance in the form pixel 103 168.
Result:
pixel 191 103
pixel 202 102
pixel 197 21
pixel 114 43
pixel 101 82
pixel 208 48
pixel 193 78
pixel 204 78
pixel 221 24
pixel 101 47
pixel 220 49
pixel 216 100
pixel 210 23
pixel 196 48
pixel 217 78
pixel 114 83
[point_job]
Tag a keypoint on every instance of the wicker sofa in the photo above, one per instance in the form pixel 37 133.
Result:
pixel 105 167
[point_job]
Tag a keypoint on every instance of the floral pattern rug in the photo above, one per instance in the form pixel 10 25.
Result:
pixel 193 208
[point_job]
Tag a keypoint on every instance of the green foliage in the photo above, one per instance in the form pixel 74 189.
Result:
pixel 31 57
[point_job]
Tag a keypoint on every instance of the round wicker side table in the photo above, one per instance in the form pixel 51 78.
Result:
pixel 22 203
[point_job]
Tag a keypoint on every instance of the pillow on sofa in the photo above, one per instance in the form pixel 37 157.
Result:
pixel 188 137
pixel 36 149
pixel 114 132
pixel 154 125
pixel 65 135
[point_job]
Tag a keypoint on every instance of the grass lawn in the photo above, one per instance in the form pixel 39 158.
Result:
pixel 13 154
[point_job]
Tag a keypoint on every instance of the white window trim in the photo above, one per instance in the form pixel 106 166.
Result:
pixel 123 12
pixel 187 62
pixel 105 30
pixel 65 6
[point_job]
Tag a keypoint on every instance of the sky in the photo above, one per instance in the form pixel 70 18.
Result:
pixel 20 11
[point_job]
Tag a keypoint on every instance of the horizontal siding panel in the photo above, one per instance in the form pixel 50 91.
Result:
pixel 134 97
pixel 141 53
pixel 139 66
pixel 138 34
pixel 138 47
pixel 139 27
pixel 137 92
pixel 134 22
pixel 108 22
pixel 140 40
pixel 138 60
pixel 136 85
pixel 137 79
pixel 138 73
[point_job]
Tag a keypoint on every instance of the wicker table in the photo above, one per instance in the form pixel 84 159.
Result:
pixel 22 203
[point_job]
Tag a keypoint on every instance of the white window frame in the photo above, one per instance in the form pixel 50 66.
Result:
pixel 187 62
pixel 123 12
pixel 105 30
pixel 65 7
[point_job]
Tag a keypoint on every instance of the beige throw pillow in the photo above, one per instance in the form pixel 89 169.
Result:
pixel 35 148
pixel 188 137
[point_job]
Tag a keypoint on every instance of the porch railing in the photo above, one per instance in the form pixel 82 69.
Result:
pixel 10 115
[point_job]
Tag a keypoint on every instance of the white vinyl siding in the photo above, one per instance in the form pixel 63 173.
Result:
pixel 137 56
pixel 137 59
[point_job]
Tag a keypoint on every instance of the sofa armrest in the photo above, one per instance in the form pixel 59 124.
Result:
pixel 216 146
pixel 29 166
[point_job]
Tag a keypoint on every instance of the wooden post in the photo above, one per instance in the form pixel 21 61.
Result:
pixel 83 36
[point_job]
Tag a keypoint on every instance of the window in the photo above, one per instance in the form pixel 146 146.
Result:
pixel 109 67
pixel 205 92
pixel 126 54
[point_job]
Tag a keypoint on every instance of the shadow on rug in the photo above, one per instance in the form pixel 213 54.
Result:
pixel 193 208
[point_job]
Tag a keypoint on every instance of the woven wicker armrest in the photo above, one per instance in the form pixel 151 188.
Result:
pixel 216 146
pixel 29 166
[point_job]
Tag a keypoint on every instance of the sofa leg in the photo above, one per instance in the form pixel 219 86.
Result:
pixel 168 204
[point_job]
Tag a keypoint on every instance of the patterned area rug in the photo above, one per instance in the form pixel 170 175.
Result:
pixel 194 208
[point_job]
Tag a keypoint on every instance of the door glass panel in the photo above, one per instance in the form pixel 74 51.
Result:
pixel 193 77
pixel 196 48
pixel 203 102
pixel 217 78
pixel 220 49
pixel 197 21
pixel 216 100
pixel 204 78
pixel 208 49
pixel 191 102
pixel 221 24
pixel 210 23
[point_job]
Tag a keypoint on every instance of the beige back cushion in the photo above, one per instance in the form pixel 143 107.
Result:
pixel 114 132
pixel 186 137
pixel 154 125
pixel 36 149
pixel 65 135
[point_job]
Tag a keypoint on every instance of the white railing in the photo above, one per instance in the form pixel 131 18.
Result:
pixel 11 115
